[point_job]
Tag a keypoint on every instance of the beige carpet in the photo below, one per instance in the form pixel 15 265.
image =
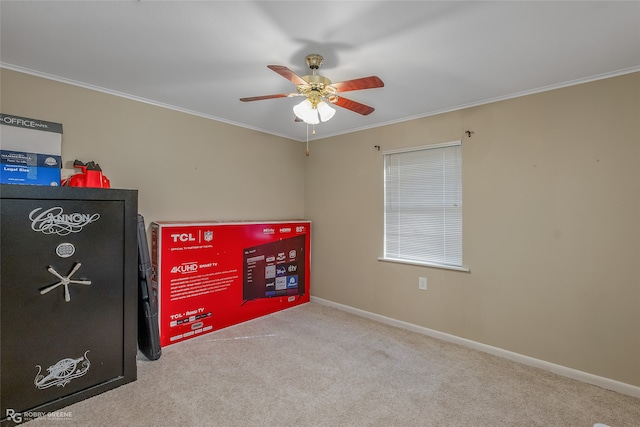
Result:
pixel 313 365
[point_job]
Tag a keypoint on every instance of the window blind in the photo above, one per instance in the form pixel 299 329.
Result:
pixel 423 205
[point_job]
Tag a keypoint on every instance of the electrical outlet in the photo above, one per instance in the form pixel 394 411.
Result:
pixel 422 283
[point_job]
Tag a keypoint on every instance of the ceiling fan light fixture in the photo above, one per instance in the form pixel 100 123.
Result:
pixel 325 111
pixel 305 112
pixel 320 92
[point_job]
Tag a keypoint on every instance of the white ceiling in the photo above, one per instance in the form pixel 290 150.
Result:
pixel 201 57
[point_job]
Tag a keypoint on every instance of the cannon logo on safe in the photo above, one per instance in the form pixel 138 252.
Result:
pixel 55 221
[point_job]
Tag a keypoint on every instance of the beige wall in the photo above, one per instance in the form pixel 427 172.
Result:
pixel 551 223
pixel 551 207
pixel 184 167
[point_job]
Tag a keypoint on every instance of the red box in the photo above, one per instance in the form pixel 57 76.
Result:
pixel 210 275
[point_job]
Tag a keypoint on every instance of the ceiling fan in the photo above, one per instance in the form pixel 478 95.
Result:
pixel 319 91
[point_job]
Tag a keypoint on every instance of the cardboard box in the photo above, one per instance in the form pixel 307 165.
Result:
pixel 30 151
pixel 211 275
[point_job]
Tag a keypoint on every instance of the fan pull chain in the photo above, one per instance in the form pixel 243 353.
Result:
pixel 313 132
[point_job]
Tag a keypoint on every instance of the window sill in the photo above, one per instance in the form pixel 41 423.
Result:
pixel 425 264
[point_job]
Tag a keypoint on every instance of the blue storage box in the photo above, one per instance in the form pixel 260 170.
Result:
pixel 30 151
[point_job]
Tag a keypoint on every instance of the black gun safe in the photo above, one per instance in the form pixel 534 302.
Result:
pixel 68 296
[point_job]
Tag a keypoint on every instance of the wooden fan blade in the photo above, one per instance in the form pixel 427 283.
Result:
pixel 287 74
pixel 359 84
pixel 258 98
pixel 354 106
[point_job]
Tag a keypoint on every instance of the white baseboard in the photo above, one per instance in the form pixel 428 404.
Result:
pixel 585 377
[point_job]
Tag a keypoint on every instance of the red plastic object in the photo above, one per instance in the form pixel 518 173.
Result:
pixel 90 176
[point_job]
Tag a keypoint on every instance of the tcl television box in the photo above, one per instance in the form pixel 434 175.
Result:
pixel 30 151
pixel 211 275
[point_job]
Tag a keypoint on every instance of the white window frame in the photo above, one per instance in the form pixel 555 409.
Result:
pixel 442 227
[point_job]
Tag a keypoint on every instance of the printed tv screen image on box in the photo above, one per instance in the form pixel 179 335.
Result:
pixel 213 275
pixel 274 269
